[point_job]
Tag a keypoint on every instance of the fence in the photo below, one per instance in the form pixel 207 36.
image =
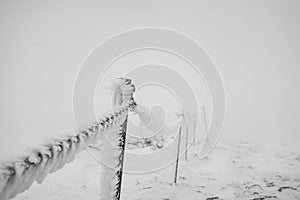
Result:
pixel 18 175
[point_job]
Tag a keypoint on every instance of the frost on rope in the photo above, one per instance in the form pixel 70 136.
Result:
pixel 17 175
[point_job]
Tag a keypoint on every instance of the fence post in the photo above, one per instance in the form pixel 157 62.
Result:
pixel 205 124
pixel 177 157
pixel 186 140
pixel 122 148
pixel 194 128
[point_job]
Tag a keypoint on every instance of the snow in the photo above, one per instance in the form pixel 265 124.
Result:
pixel 235 170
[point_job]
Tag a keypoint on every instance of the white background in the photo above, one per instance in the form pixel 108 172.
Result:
pixel 255 45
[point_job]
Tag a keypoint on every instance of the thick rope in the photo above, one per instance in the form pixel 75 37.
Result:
pixel 19 174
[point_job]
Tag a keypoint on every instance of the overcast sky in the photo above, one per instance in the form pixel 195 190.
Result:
pixel 255 45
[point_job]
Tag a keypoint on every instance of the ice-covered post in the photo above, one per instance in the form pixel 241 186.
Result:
pixel 113 147
pixel 122 147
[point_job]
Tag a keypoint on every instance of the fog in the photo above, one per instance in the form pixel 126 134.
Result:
pixel 255 45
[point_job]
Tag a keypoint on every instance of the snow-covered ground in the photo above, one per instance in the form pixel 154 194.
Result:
pixel 235 170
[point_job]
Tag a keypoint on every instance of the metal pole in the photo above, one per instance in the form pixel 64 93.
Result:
pixel 205 124
pixel 177 158
pixel 194 130
pixel 186 141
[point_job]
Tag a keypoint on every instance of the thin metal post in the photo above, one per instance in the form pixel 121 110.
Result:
pixel 205 124
pixel 177 157
pixel 186 141
pixel 194 129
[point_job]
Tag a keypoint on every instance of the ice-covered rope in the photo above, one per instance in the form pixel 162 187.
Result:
pixel 18 175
